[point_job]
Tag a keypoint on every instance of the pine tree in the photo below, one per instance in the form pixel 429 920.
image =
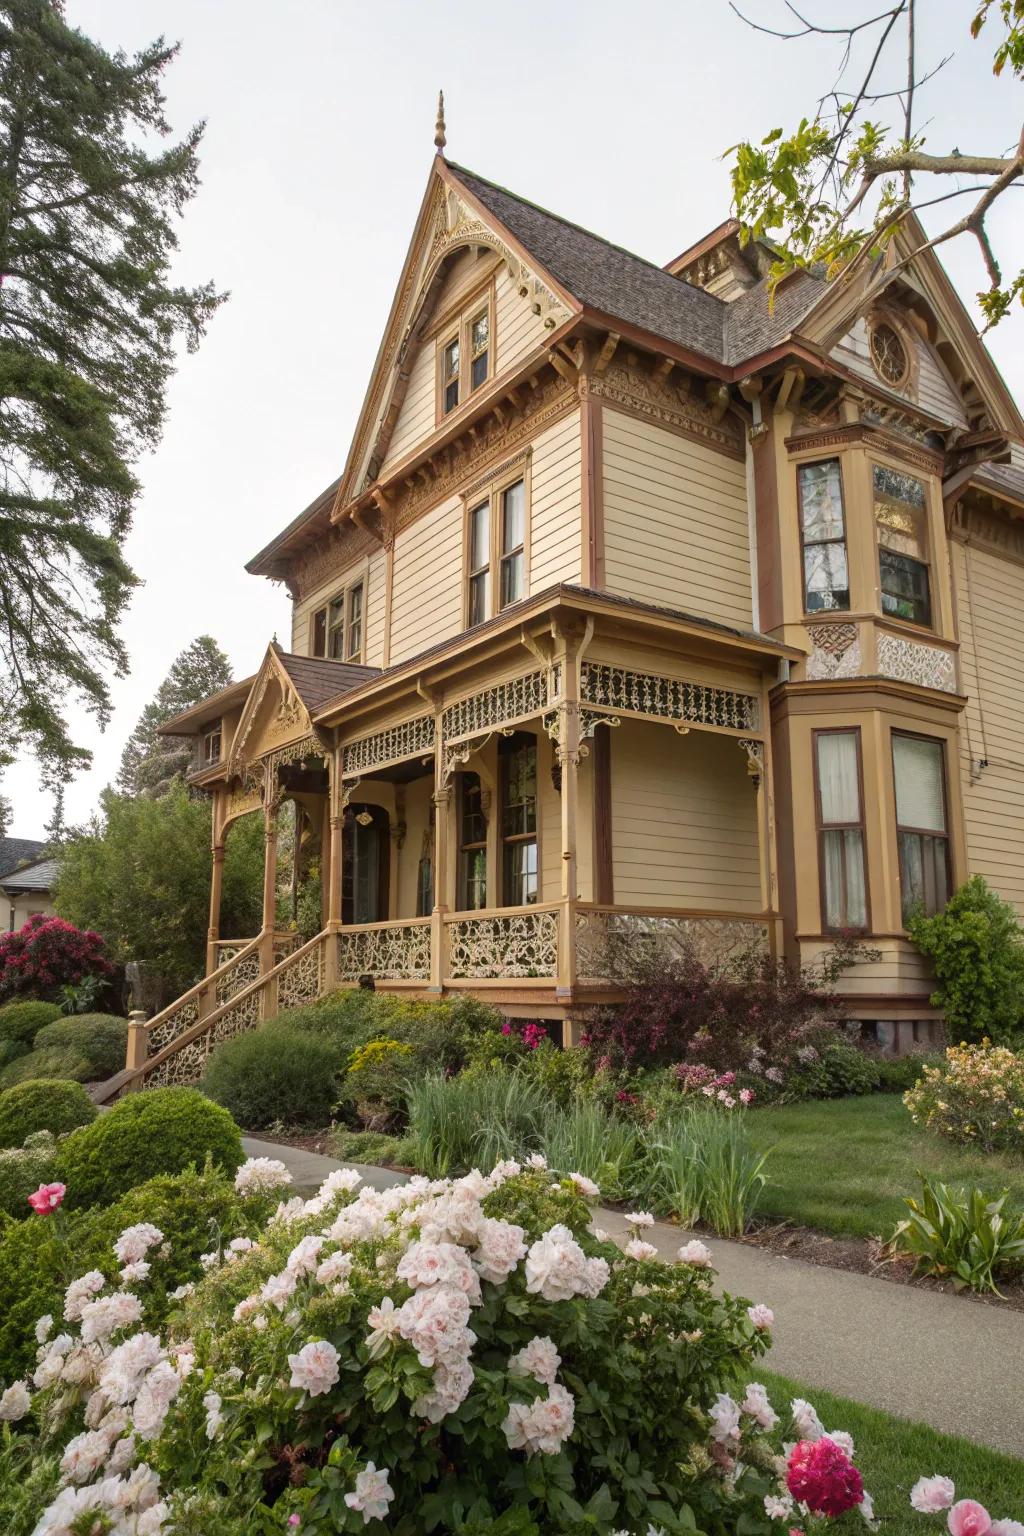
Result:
pixel 88 327
pixel 150 763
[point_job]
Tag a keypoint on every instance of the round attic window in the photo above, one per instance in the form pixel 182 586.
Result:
pixel 889 355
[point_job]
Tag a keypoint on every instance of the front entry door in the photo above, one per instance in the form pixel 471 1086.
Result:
pixel 365 843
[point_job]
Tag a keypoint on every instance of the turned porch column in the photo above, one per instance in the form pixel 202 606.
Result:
pixel 269 881
pixel 442 800
pixel 216 884
pixel 567 749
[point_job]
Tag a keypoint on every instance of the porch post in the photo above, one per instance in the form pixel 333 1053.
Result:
pixel 766 840
pixel 216 886
pixel 337 813
pixel 568 752
pixel 269 880
pixel 442 797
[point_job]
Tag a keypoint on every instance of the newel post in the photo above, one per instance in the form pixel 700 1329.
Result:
pixel 269 880
pixel 138 1041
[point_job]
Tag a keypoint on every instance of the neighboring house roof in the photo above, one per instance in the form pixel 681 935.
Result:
pixel 40 876
pixel 18 850
pixel 316 678
pixel 605 277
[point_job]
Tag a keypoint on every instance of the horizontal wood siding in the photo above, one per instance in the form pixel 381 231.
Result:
pixel 991 613
pixel 933 391
pixel 519 330
pixel 373 574
pixel 675 521
pixel 555 520
pixel 426 604
pixel 899 968
pixel 375 608
pixel 684 820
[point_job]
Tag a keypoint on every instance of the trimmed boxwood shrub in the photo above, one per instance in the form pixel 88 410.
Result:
pixel 276 1073
pixel 37 1263
pixel 10 1050
pixel 44 1104
pixel 21 1021
pixel 55 1061
pixel 160 1130
pixel 22 1170
pixel 102 1038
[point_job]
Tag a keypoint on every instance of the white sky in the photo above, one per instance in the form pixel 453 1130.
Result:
pixel 320 126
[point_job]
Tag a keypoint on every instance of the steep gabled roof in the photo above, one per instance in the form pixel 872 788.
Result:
pixel 18 850
pixel 604 277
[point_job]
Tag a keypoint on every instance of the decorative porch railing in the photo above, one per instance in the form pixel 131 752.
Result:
pixel 236 972
pixel 512 945
pixel 227 949
pixel 385 951
pixel 609 938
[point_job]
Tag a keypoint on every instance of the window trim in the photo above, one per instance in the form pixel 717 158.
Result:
pixel 208 735
pixel 504 842
pixel 932 627
pixel 821 827
pixel 492 491
pixel 359 578
pixel 458 326
pixel 943 745
pixel 462 847
pixel 814 614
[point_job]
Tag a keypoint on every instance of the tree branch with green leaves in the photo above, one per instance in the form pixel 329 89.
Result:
pixel 849 175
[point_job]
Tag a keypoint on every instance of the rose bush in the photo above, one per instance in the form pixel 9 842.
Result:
pixel 975 1097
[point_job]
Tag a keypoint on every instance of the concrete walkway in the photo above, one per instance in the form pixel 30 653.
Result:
pixel 941 1360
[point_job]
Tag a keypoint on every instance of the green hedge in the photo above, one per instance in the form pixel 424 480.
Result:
pixel 54 1061
pixel 20 1021
pixel 44 1104
pixel 160 1130
pixel 102 1038
pixel 275 1074
pixel 37 1263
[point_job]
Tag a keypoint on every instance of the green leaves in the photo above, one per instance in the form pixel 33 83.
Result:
pixel 961 1234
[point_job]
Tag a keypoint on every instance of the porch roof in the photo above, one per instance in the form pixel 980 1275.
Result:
pixel 586 600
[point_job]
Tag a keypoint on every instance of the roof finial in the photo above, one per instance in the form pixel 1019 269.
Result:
pixel 439 135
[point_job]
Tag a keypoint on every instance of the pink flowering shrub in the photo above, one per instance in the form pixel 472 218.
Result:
pixel 46 954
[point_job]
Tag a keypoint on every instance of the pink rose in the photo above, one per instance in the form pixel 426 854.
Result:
pixel 968 1518
pixel 931 1494
pixel 47 1198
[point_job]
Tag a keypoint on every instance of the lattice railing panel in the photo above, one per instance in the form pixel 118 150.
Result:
pixel 413 738
pixel 174 1021
pixel 301 978
pixel 609 942
pixel 230 980
pixel 518 698
pixel 668 698
pixel 386 951
pixel 513 946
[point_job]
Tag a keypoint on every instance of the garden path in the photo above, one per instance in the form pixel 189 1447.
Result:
pixel 937 1359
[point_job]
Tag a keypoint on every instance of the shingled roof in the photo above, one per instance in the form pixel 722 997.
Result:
pixel 605 277
pixel 18 850
pixel 317 679
pixel 40 876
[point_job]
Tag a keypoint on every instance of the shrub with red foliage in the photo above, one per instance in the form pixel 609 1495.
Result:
pixel 821 1475
pixel 47 953
pixel 679 1008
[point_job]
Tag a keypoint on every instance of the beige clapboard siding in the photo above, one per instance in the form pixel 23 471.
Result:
pixel 675 521
pixel 519 330
pixel 899 968
pixel 684 820
pixel 990 606
pixel 555 522
pixel 426 602
pixel 375 609
pixel 934 391
pixel 372 573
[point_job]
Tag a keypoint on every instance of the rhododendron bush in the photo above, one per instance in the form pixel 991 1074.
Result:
pixel 46 954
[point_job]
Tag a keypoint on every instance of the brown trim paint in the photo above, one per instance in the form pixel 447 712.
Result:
pixel 858 826
pixel 769 541
pixel 601 757
pixel 592 491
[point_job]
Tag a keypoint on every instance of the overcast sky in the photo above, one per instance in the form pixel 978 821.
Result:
pixel 320 121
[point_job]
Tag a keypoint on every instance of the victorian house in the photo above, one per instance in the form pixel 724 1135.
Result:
pixel 648 606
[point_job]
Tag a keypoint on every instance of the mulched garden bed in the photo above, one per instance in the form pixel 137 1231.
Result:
pixel 867 1256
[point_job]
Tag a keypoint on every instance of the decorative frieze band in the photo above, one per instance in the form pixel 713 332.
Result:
pixel 836 652
pixel 413 738
pixel 668 404
pixel 908 662
pixel 668 698
pixel 518 698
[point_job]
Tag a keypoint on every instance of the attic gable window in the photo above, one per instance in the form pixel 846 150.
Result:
pixel 465 355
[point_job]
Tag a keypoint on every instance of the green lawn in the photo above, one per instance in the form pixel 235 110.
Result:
pixel 892 1454
pixel 844 1165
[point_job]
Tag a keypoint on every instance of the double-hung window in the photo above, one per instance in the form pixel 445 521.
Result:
pixel 211 745
pixel 337 627
pixel 823 536
pixel 496 534
pixel 517 761
pixel 465 357
pixel 901 523
pixel 922 831
pixel 844 899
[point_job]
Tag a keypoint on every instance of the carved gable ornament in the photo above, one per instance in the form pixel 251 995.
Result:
pixel 274 717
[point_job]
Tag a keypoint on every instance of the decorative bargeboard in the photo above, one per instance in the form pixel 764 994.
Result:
pixel 512 947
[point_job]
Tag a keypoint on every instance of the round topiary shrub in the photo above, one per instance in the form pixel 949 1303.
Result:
pixel 101 1038
pixel 161 1130
pixel 22 1021
pixel 22 1170
pixel 10 1050
pixel 276 1073
pixel 54 1061
pixel 43 1104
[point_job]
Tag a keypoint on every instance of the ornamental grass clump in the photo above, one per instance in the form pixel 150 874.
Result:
pixel 974 1097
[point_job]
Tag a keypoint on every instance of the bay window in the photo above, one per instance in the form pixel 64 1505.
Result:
pixel 823 536
pixel 900 502
pixel 840 815
pixel 922 832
